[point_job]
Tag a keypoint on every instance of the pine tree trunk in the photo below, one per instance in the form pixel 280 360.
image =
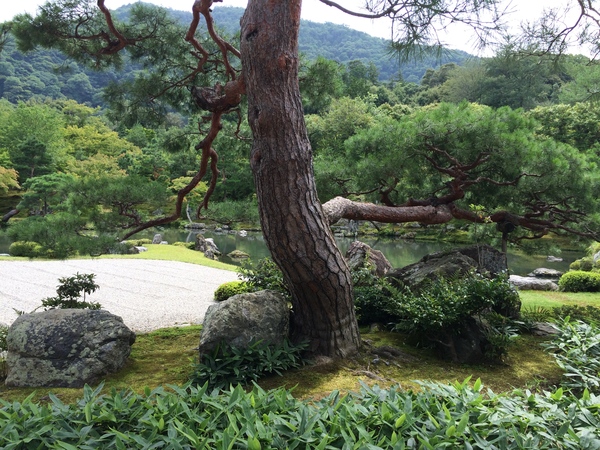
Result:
pixel 295 228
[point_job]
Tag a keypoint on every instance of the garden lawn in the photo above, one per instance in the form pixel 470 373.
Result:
pixel 547 299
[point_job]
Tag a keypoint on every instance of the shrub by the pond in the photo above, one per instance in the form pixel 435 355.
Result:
pixel 28 249
pixel 580 281
pixel 230 289
pixel 443 311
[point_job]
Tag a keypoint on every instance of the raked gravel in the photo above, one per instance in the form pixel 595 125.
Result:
pixel 147 294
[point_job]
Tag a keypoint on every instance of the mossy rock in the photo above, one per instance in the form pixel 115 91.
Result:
pixel 238 254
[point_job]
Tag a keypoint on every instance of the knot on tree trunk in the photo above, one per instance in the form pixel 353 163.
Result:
pixel 218 99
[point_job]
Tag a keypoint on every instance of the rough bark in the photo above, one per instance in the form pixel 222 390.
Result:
pixel 294 225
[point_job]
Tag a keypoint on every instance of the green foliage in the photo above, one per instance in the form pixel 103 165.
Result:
pixel 585 264
pixel 374 304
pixel 580 281
pixel 189 245
pixel 588 314
pixel 445 309
pixel 230 289
pixel 228 366
pixel 577 351
pixel 138 242
pixel 27 249
pixel 445 305
pixel 230 212
pixel 70 290
pixel 436 416
pixel 263 274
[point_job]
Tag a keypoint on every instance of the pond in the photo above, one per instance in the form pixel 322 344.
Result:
pixel 399 252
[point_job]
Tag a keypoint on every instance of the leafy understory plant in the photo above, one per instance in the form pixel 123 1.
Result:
pixel 577 352
pixel 229 365
pixel 456 416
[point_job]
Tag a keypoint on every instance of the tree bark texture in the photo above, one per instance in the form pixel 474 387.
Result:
pixel 294 226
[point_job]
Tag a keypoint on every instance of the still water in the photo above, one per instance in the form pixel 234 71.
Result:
pixel 399 252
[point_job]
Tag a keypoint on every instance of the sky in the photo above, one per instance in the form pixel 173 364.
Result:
pixel 316 11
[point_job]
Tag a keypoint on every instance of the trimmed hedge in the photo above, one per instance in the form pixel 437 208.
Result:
pixel 232 288
pixel 580 281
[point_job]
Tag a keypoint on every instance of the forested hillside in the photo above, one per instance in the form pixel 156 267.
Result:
pixel 48 73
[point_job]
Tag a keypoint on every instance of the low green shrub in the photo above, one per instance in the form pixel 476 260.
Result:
pixel 580 281
pixel 444 310
pixel 577 351
pixel 263 274
pixel 70 291
pixel 228 365
pixel 27 249
pixel 230 289
pixel 189 245
pixel 435 417
pixel 138 242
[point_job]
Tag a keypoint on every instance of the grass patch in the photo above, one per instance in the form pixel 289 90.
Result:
pixel 165 357
pixel 156 252
pixel 174 253
pixel 549 299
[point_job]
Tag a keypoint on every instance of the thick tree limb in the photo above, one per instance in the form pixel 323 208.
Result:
pixel 6 217
pixel 340 207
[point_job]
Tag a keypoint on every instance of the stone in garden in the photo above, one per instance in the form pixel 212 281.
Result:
pixel 542 272
pixel 360 255
pixel 66 347
pixel 533 283
pixel 553 259
pixel 207 246
pixel 244 318
pixel 596 257
pixel 157 238
pixel 544 329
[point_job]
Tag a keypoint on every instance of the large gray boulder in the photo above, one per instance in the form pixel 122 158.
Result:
pixel 450 264
pixel 244 318
pixel 66 347
pixel 360 255
pixel 533 283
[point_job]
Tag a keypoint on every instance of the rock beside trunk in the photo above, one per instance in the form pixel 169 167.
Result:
pixel 246 318
pixel 360 255
pixel 66 347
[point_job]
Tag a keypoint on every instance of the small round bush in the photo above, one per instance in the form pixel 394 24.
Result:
pixel 138 242
pixel 190 245
pixel 26 248
pixel 580 281
pixel 230 289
